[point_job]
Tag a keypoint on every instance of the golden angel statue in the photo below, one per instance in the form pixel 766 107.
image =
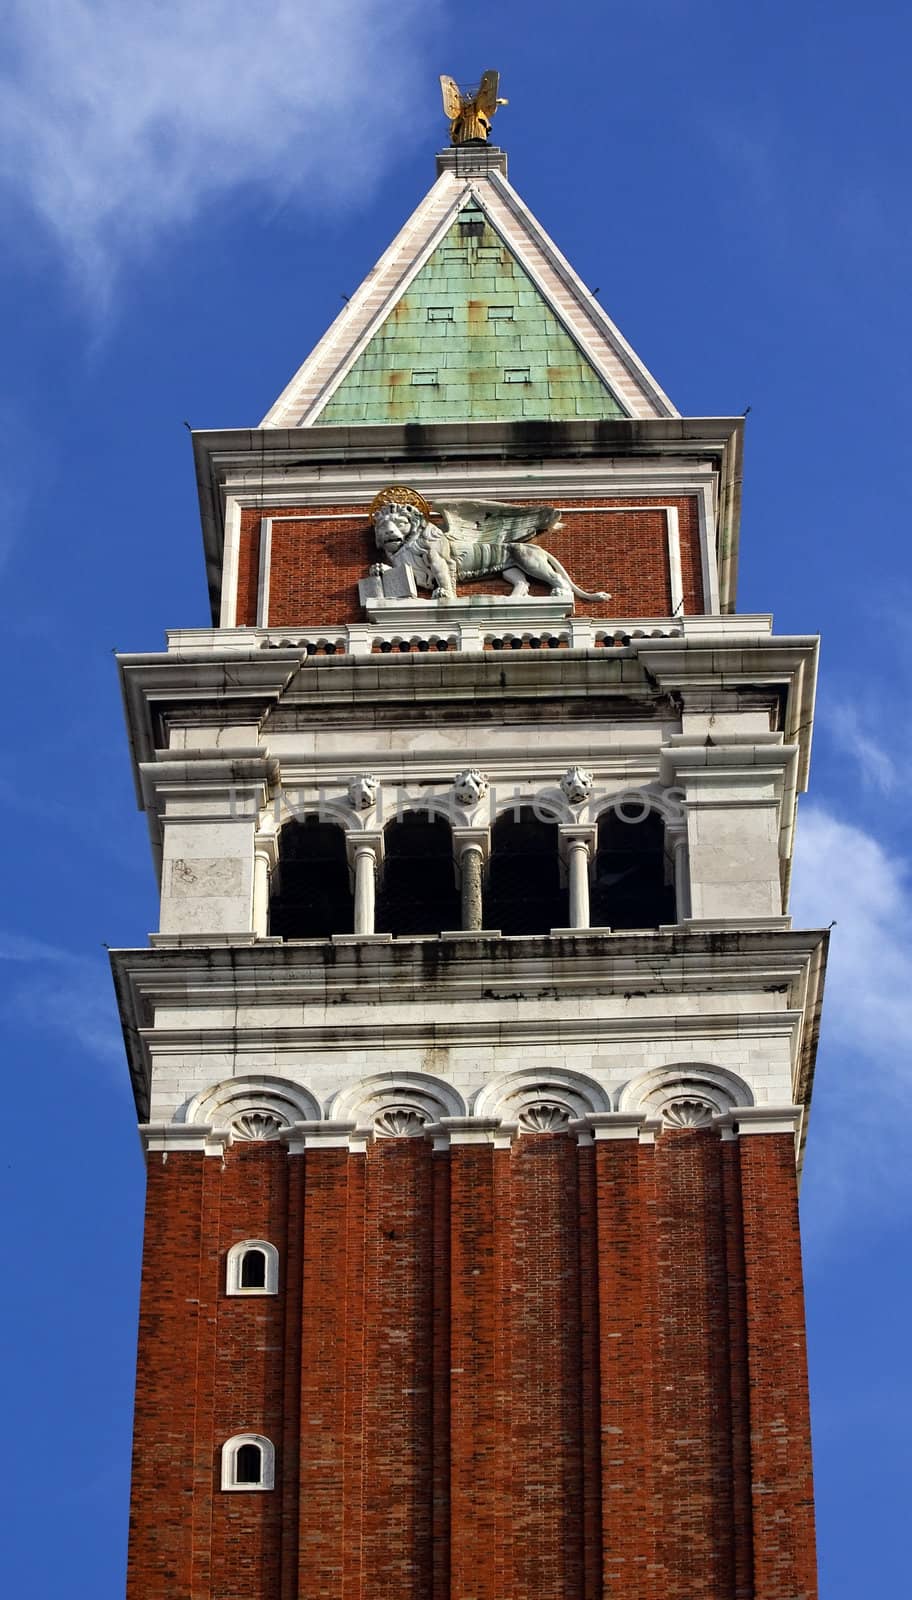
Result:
pixel 471 113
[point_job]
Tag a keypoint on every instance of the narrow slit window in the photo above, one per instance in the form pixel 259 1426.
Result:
pixel 425 379
pixel 517 375
pixel 440 313
pixel 500 313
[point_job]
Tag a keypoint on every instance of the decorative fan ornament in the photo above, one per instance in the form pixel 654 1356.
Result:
pixel 255 1124
pixel 400 1122
pixel 688 1113
pixel 545 1117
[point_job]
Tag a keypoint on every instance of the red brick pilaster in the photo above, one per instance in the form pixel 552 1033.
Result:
pixel 543 1315
pixel 396 1526
pixel 782 1485
pixel 164 1507
pixel 323 1369
pixel 691 1371
pixel 247 1198
pixel 590 1389
pixel 473 1376
pixel 624 1185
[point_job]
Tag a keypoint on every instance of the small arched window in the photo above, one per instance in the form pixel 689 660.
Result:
pixel 634 885
pixel 310 896
pixel 252 1268
pixel 248 1462
pixel 524 893
pixel 418 891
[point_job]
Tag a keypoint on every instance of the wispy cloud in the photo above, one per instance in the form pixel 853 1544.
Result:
pixel 844 874
pixel 118 122
pixel 49 989
pixel 853 734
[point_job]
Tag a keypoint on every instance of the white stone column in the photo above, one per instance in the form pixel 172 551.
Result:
pixel 265 853
pixel 676 840
pixel 471 847
pixel 472 864
pixel 365 852
pixel 577 847
pixel 578 866
pixel 365 888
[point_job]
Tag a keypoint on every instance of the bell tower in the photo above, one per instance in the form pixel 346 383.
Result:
pixel 473 1052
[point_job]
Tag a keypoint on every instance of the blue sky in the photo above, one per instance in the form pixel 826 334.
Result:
pixel 187 191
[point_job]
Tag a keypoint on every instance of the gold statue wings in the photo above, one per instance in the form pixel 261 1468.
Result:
pixel 470 114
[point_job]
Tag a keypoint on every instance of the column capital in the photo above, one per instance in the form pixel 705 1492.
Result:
pixel 471 839
pixel 570 834
pixel 183 1137
pixel 450 1131
pixel 598 1126
pixel 308 1136
pixel 744 1120
pixel 358 840
pixel 201 784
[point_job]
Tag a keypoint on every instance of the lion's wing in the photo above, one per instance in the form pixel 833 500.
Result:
pixel 495 521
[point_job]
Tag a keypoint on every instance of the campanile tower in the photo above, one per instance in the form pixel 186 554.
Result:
pixel 473 1052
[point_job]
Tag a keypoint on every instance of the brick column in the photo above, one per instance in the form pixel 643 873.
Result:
pixel 172 1327
pixel 243 1390
pixel 626 1254
pixel 324 1350
pixel 781 1475
pixel 691 1371
pixel 398 1295
pixel 474 1414
pixel 542 1313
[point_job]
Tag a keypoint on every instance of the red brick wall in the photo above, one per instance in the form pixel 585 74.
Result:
pixel 548 1372
pixel 316 564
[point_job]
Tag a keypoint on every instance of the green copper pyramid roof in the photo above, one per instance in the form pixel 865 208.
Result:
pixel 473 339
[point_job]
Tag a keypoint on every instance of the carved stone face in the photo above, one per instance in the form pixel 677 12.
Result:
pixel 470 787
pixel 362 791
pixel 577 785
pixel 392 526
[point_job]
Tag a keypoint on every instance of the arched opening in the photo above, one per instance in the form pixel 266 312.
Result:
pixel 253 1269
pixel 248 1464
pixel 524 893
pixel 633 877
pixel 310 896
pixel 418 891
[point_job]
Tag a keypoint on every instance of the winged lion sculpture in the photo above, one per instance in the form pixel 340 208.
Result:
pixel 476 539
